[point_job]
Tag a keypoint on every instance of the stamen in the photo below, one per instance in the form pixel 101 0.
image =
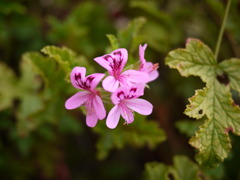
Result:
pixel 155 66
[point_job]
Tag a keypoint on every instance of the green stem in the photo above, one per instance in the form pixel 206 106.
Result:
pixel 222 29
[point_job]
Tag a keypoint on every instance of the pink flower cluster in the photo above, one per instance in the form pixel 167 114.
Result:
pixel 125 87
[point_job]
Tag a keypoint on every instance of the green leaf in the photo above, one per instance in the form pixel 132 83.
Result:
pixel 83 29
pixel 67 58
pixel 182 168
pixel 214 102
pixel 113 41
pixel 40 90
pixel 130 37
pixel 8 91
pixel 137 135
pixel 28 94
pixel 155 170
pixel 188 127
pixel 8 7
pixel 231 69
pixel 197 59
pixel 151 7
pixel 63 56
pixel 38 63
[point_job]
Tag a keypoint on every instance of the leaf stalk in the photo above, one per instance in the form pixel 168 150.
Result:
pixel 222 29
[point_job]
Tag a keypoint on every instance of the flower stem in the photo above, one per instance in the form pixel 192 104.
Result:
pixel 222 29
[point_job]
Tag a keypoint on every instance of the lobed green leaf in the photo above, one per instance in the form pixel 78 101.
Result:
pixel 182 168
pixel 196 59
pixel 63 56
pixel 213 103
pixel 230 71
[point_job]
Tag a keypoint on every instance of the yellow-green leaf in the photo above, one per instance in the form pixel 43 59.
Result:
pixel 214 102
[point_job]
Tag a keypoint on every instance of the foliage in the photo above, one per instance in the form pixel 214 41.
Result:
pixel 84 33
pixel 188 127
pixel 179 170
pixel 143 133
pixel 214 101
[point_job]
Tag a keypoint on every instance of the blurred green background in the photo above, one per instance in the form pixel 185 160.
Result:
pixel 40 139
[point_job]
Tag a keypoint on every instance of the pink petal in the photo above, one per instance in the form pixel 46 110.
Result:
pixel 126 113
pixel 141 106
pixel 77 99
pixel 91 118
pixel 110 84
pixel 153 75
pixel 132 76
pixel 142 53
pixel 92 80
pixel 149 69
pixel 113 62
pixel 103 62
pixel 138 88
pixel 127 92
pixel 113 117
pixel 77 76
pixel 119 94
pixel 99 107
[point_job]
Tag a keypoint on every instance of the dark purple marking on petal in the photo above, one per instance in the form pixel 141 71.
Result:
pixel 132 93
pixel 120 96
pixel 115 62
pixel 133 89
pixel 78 79
pixel 77 76
pixel 88 82
pixel 106 57
pixel 110 60
pixel 80 82
pixel 117 53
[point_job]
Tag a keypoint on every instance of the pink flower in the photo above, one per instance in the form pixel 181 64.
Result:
pixel 147 67
pixel 114 63
pixel 126 101
pixel 89 97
